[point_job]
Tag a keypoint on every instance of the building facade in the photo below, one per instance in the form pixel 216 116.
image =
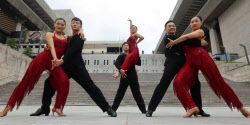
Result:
pixel 17 16
pixel 104 63
pixel 226 24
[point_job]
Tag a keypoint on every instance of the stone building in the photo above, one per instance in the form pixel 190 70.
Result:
pixel 226 24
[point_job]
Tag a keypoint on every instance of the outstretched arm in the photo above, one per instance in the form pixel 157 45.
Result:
pixel 198 34
pixel 130 25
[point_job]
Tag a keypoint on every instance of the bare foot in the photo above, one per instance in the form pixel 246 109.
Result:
pixel 192 111
pixel 116 75
pixel 5 111
pixel 245 112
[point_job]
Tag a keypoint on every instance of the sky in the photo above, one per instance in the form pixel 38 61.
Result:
pixel 106 20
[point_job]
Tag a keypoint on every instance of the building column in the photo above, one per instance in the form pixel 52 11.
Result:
pixel 213 38
pixel 18 26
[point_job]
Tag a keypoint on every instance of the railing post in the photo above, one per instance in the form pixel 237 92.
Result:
pixel 245 53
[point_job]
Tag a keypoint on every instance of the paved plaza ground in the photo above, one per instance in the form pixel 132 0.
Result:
pixel 127 115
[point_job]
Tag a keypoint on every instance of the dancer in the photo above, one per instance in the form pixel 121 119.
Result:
pixel 133 56
pixel 198 59
pixel 74 67
pixel 57 43
pixel 175 59
pixel 130 79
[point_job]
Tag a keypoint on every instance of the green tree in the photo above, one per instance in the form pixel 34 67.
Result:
pixel 28 51
pixel 12 42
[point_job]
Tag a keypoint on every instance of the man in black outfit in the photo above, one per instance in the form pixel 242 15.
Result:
pixel 128 79
pixel 175 59
pixel 74 67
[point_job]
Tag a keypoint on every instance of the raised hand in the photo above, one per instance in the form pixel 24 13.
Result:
pixel 129 20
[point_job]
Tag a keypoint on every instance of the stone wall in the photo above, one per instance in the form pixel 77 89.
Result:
pixel 13 64
pixel 234 71
pixel 235 27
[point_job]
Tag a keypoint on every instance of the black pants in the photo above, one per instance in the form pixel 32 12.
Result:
pixel 84 80
pixel 135 89
pixel 172 67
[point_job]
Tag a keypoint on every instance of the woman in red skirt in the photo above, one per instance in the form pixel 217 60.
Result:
pixel 198 59
pixel 43 61
pixel 133 56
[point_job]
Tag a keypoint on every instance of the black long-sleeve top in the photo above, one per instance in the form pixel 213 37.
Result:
pixel 178 48
pixel 131 73
pixel 73 60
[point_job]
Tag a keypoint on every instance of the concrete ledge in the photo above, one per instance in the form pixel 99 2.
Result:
pixel 235 71
pixel 13 64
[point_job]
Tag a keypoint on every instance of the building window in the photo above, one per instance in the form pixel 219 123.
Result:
pixel 162 62
pixel 104 62
pixel 143 71
pixel 146 71
pixel 113 71
pixel 116 70
pixel 88 62
pixel 94 62
pixel 155 62
pixel 142 62
pixel 153 71
pixel 156 71
pixel 106 71
pixel 103 71
pixel 94 71
pixel 97 62
pixel 146 62
pixel 107 62
pixel 114 62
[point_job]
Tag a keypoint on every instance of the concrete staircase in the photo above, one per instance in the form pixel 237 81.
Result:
pixel 109 86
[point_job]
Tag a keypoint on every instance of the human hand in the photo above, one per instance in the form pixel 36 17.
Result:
pixel 170 44
pixel 123 74
pixel 81 33
pixel 204 42
pixel 56 63
pixel 46 47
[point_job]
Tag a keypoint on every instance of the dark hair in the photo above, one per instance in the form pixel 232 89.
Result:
pixel 76 19
pixel 124 43
pixel 134 26
pixel 60 19
pixel 198 17
pixel 170 21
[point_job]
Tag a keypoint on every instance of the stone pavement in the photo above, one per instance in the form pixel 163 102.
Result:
pixel 127 115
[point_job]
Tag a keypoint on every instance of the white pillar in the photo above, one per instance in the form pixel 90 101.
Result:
pixel 214 41
pixel 18 26
pixel 213 38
